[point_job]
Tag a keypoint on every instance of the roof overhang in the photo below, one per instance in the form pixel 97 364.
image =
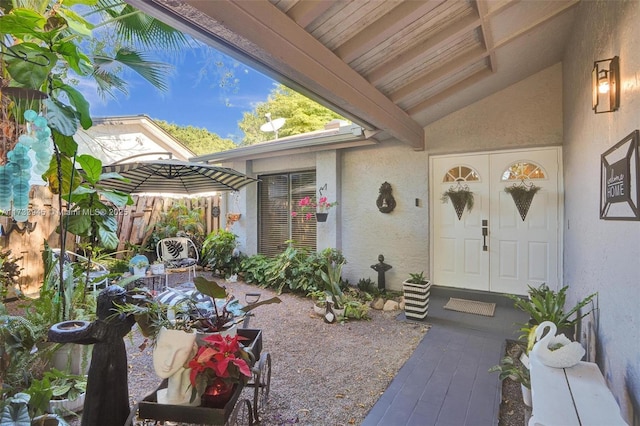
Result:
pixel 341 137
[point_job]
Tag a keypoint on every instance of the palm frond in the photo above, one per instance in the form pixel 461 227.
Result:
pixel 152 71
pixel 136 27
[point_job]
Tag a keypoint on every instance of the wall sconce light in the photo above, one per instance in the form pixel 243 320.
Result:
pixel 606 85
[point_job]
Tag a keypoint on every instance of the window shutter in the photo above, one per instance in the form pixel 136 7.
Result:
pixel 278 195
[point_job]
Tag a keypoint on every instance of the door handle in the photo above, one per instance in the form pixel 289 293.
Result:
pixel 485 232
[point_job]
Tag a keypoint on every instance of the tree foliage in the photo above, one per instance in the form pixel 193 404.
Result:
pixel 199 140
pixel 301 113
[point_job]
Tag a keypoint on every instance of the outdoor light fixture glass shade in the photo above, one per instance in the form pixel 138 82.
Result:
pixel 606 85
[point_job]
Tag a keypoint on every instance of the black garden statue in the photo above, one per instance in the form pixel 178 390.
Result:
pixel 385 202
pixel 107 398
pixel 381 268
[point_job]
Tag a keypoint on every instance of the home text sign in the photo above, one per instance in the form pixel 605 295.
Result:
pixel 620 180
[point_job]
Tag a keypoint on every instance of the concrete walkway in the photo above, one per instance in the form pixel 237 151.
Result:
pixel 446 381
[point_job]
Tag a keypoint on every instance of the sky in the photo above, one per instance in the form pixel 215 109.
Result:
pixel 206 89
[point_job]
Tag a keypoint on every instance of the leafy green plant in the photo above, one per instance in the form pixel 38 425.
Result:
pixel 17 337
pixel 355 309
pixel 544 304
pixel 188 312
pixel 254 268
pixel 9 271
pixel 417 278
pixel 332 279
pixel 65 386
pixel 514 370
pixel 220 253
pixel 285 270
pixel 367 285
pixel 178 220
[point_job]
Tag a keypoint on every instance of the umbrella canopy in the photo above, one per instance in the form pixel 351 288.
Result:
pixel 173 176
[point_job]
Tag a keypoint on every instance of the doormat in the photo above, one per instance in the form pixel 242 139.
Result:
pixel 471 307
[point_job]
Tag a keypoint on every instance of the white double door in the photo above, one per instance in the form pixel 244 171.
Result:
pixel 514 252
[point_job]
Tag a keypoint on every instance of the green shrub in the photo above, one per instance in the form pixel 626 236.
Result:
pixel 220 253
pixel 9 272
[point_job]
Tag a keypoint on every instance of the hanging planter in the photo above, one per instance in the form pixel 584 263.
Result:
pixel 321 217
pixel 461 197
pixel 522 195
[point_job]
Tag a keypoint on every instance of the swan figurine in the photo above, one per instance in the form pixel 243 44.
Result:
pixel 567 352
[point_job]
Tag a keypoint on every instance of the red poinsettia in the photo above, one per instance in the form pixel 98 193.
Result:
pixel 220 358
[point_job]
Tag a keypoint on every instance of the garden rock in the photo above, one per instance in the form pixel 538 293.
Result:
pixel 390 305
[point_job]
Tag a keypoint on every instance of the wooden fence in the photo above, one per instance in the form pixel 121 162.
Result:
pixel 134 227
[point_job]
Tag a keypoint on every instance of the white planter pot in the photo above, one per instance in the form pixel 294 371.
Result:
pixel 526 396
pixel 231 331
pixel 73 358
pixel 139 272
pixel 416 299
pixel 157 268
pixel 321 310
pixel 66 406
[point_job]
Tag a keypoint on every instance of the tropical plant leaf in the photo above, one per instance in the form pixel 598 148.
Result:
pixel 210 288
pixel 33 70
pixel 66 144
pixel 80 104
pixel 109 239
pixel 61 117
pixel 92 166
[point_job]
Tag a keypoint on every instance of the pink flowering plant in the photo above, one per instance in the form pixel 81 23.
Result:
pixel 307 207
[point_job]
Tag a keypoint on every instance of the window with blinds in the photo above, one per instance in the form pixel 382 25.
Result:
pixel 278 195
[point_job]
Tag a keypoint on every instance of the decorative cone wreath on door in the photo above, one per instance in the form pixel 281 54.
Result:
pixel 461 197
pixel 522 195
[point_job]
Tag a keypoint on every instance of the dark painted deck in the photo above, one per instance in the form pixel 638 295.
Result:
pixel 446 381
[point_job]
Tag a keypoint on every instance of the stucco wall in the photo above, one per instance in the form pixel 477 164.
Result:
pixel 528 113
pixel 603 255
pixel 402 235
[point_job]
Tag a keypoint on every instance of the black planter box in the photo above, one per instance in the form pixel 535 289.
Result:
pixel 149 408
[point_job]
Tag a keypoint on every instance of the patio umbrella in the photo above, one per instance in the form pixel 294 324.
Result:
pixel 174 177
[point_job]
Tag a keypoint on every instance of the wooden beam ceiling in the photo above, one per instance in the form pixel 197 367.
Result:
pixel 263 33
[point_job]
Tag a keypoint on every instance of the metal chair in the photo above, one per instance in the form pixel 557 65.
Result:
pixel 175 253
pixel 96 270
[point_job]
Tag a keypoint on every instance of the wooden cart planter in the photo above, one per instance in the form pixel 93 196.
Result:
pixel 237 411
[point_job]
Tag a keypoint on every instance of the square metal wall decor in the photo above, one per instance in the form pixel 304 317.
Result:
pixel 620 180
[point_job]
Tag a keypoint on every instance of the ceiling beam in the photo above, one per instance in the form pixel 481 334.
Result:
pixel 422 50
pixel 564 7
pixel 431 78
pixel 464 84
pixel 391 23
pixel 259 33
pixel 305 12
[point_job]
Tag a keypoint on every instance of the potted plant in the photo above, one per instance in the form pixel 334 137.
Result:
pixel 139 267
pixel 219 365
pixel 308 208
pixel 544 304
pixel 190 311
pixel 461 197
pixel 157 268
pixel 67 391
pixel 416 296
